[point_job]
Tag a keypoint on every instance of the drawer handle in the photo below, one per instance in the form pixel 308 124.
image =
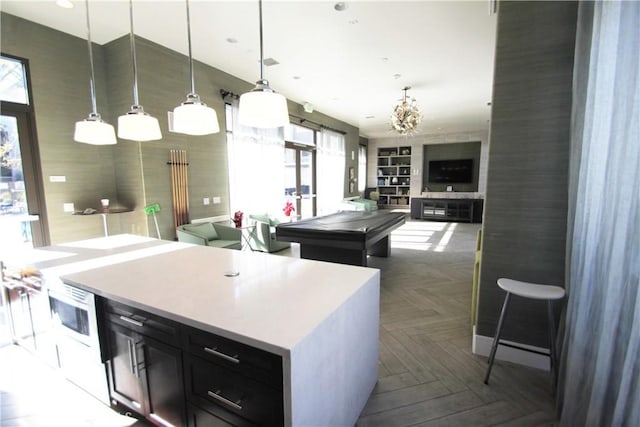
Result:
pixel 132 321
pixel 223 399
pixel 215 352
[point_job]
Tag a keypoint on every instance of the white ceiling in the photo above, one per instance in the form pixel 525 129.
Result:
pixel 350 65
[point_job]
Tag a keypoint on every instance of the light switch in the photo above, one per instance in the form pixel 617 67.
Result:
pixel 205 201
pixel 216 200
pixel 68 207
pixel 57 178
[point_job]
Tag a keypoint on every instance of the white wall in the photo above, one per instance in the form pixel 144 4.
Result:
pixel 417 143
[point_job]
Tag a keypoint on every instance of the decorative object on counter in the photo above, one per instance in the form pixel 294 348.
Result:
pixel 193 117
pixel 262 107
pixel 288 208
pixel 93 130
pixel 152 210
pixel 406 117
pixel 179 186
pixel 136 124
pixel 105 204
pixel 237 219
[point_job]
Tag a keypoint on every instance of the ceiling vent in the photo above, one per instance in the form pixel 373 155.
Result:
pixel 268 62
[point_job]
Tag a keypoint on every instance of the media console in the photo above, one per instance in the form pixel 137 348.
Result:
pixel 469 210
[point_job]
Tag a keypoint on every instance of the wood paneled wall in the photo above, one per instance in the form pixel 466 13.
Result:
pixel 525 212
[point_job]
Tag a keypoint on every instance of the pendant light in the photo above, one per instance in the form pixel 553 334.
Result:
pixel 137 125
pixel 193 117
pixel 93 130
pixel 263 107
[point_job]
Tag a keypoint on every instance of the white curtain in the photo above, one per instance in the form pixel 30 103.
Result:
pixel 600 364
pixel 362 169
pixel 256 168
pixel 330 160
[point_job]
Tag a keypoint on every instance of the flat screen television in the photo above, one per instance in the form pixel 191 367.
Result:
pixel 456 171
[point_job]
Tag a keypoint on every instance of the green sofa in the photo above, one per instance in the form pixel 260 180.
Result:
pixel 210 234
pixel 263 238
pixel 359 205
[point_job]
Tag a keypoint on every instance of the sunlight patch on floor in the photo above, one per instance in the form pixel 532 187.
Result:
pixel 423 236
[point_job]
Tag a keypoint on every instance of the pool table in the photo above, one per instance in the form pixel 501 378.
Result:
pixel 343 237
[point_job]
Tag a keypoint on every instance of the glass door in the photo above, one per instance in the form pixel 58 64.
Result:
pixel 22 222
pixel 19 221
pixel 300 180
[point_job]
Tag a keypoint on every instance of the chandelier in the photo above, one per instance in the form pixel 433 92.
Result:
pixel 405 117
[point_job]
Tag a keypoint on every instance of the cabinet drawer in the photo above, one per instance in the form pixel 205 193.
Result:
pixel 200 418
pixel 143 322
pixel 220 391
pixel 246 360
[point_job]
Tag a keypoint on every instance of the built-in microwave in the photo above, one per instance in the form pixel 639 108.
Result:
pixel 73 311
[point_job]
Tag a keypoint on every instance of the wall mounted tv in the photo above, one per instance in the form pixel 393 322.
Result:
pixel 456 171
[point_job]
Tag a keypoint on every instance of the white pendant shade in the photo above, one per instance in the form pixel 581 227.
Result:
pixel 138 126
pixel 195 119
pixel 95 132
pixel 263 109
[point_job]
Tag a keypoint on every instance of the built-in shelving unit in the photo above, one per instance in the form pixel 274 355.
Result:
pixel 394 175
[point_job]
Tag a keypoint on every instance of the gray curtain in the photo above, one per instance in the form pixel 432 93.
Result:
pixel 600 364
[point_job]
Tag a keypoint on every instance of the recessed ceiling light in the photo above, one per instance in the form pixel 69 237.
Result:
pixel 341 6
pixel 397 76
pixel 384 59
pixel 296 77
pixel 369 117
pixel 65 4
pixel 232 40
pixel 353 21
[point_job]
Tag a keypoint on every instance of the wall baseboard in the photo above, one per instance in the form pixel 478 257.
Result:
pixel 481 346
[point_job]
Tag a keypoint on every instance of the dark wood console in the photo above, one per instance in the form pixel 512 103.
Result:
pixel 461 210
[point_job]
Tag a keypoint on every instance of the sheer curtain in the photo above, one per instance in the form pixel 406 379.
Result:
pixel 330 158
pixel 362 169
pixel 256 168
pixel 600 364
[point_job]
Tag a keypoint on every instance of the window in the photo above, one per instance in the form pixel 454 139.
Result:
pixel 13 81
pixel 362 168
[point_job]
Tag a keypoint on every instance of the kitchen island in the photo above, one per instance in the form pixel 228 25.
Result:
pixel 318 320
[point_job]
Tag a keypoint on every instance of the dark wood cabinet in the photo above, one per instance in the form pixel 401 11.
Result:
pixel 172 374
pixel 467 210
pixel 145 374
pixel 231 381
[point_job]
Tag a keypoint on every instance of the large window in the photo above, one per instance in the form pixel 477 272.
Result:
pixel 21 195
pixel 331 168
pixel 362 168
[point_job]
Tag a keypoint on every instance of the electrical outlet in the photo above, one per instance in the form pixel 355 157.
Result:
pixel 57 178
pixel 216 200
pixel 205 201
pixel 68 207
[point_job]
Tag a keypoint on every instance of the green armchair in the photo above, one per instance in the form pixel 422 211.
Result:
pixel 210 234
pixel 263 238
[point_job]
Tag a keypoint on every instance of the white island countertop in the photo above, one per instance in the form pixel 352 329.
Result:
pixel 274 302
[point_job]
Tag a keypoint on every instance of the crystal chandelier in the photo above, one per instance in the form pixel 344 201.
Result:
pixel 405 117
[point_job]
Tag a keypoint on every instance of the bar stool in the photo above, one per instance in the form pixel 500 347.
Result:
pixel 533 291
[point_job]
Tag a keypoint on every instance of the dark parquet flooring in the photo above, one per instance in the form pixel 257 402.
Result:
pixel 427 373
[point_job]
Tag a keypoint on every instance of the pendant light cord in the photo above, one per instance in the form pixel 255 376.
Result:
pixel 261 47
pixel 193 84
pixel 92 85
pixel 133 55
